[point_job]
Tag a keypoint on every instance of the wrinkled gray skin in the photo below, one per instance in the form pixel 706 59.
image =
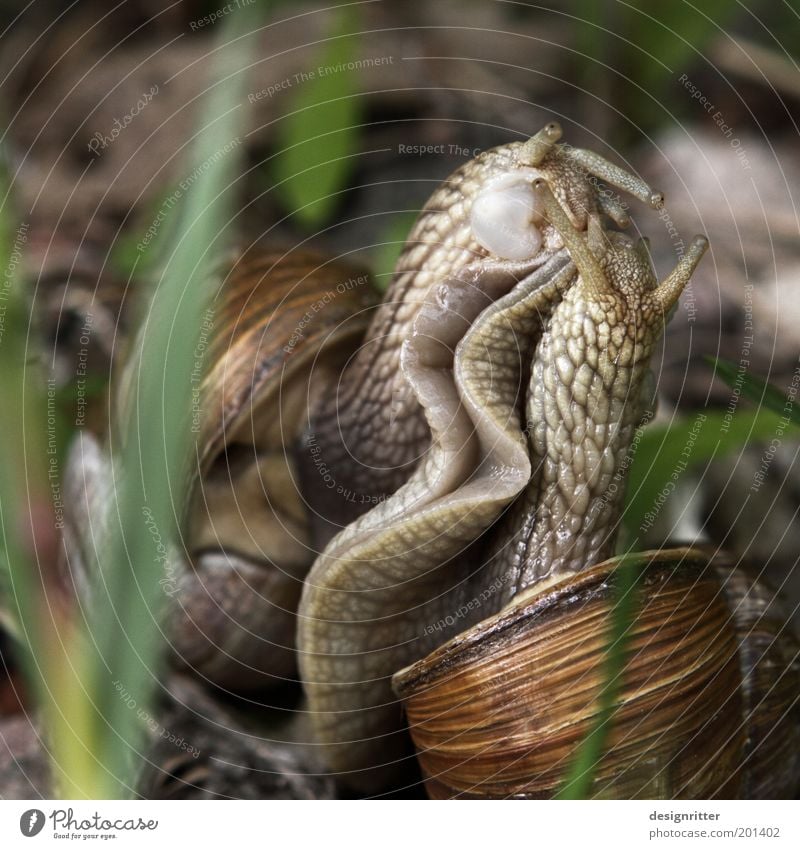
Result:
pixel 385 590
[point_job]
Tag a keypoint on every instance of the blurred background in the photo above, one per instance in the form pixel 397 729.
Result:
pixel 354 113
pixel 100 105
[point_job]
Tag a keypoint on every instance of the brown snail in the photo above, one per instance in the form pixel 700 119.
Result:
pixel 512 301
pixel 275 346
pixel 371 602
pixel 232 589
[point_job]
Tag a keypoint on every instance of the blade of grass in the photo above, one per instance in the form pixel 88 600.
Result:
pixel 675 34
pixel 319 136
pixel 30 490
pixel 664 452
pixel 20 473
pixel 156 444
pixel 139 252
pixel 386 253
pixel 580 776
pixel 756 389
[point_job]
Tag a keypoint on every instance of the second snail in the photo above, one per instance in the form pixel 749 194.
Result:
pixel 413 506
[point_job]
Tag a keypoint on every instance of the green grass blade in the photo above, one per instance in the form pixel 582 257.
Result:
pixel 757 389
pixel 156 443
pixel 21 449
pixel 580 776
pixel 318 139
pixel 32 605
pixel 386 253
pixel 663 453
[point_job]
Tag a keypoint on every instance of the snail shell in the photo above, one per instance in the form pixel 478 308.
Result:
pixel 276 336
pixel 287 324
pixel 500 710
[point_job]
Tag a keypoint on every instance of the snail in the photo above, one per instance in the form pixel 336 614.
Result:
pixel 295 345
pixel 488 718
pixel 231 591
pixel 390 439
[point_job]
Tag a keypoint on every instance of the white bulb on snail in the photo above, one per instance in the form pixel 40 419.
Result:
pixel 504 217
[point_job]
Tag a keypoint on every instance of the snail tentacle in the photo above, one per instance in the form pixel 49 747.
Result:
pixel 540 145
pixel 599 166
pixel 670 289
pixel 614 209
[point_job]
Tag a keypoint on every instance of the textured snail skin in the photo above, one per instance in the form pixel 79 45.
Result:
pixel 375 595
pixel 372 431
pixel 588 392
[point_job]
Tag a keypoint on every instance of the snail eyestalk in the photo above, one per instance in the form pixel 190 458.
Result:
pixel 539 145
pixel 616 176
pixel 593 278
pixel 670 289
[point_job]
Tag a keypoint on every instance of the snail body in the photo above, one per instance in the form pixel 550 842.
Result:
pixel 499 710
pixel 451 460
pixel 511 712
pixel 588 392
